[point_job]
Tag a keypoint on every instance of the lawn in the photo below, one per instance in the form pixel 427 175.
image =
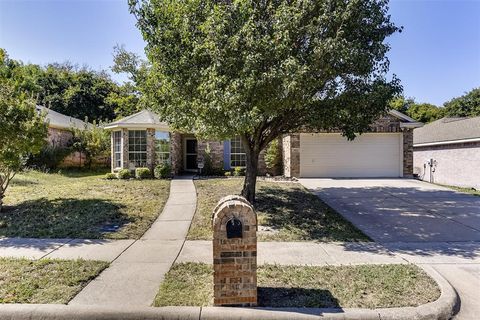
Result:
pixel 45 281
pixel 471 191
pixel 80 205
pixel 361 286
pixel 286 212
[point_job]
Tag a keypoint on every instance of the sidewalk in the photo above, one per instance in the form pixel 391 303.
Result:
pixel 135 275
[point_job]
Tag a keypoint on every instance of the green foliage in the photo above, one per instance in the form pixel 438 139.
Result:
pixel 68 89
pixel 259 69
pixel 425 112
pixel 124 174
pixel 143 173
pixel 163 171
pixel 273 157
pixel 422 112
pixel 49 158
pixel 93 141
pixel 209 169
pixel 110 176
pixel 227 173
pixel 238 171
pixel 467 105
pixel 23 132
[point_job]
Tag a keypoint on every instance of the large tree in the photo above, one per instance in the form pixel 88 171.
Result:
pixel 467 105
pixel 262 68
pixel 22 132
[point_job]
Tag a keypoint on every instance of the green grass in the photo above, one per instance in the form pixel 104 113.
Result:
pixel 290 211
pixel 80 205
pixel 471 191
pixel 45 281
pixel 362 286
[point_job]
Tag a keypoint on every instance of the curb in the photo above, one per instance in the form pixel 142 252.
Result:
pixel 442 309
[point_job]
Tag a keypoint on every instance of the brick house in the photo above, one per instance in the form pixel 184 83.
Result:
pixel 447 151
pixel 142 140
pixel 60 134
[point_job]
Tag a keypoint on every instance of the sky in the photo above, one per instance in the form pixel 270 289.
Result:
pixel 437 56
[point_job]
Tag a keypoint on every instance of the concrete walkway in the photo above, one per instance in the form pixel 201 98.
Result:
pixel 135 275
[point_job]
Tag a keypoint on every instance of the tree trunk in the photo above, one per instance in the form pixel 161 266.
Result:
pixel 251 170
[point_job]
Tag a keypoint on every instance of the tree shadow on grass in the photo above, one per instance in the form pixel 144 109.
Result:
pixel 283 297
pixel 300 212
pixel 62 218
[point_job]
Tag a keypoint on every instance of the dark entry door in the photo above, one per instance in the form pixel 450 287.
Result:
pixel 190 154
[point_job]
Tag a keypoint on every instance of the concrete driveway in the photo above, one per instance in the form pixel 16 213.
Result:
pixel 402 210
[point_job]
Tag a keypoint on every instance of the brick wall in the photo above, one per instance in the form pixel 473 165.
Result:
pixel 456 164
pixel 407 153
pixel 59 137
pixel 235 258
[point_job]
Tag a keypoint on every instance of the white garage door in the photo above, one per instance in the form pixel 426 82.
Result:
pixel 332 155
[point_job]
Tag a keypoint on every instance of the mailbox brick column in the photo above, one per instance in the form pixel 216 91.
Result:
pixel 235 258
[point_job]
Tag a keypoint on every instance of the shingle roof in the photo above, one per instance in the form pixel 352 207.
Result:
pixel 145 119
pixel 448 129
pixel 61 121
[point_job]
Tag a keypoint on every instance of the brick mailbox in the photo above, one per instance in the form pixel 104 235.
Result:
pixel 234 252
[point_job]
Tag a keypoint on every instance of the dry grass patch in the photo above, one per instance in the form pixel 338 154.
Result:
pixel 287 210
pixel 80 205
pixel 362 286
pixel 45 281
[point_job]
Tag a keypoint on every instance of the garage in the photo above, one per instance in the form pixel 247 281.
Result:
pixel 369 155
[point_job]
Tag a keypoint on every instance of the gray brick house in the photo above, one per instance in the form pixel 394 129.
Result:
pixel 142 140
pixel 447 151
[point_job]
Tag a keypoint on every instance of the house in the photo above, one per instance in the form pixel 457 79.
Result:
pixel 143 140
pixel 60 135
pixel 60 126
pixel 447 151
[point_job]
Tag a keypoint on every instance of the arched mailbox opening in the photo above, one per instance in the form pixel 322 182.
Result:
pixel 234 228
pixel 234 225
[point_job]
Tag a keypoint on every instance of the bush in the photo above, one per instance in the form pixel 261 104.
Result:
pixel 227 173
pixel 49 158
pixel 110 176
pixel 273 157
pixel 238 171
pixel 163 171
pixel 124 174
pixel 142 173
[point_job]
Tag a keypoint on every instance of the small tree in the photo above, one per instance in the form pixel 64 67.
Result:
pixel 273 157
pixel 92 140
pixel 22 132
pixel 258 69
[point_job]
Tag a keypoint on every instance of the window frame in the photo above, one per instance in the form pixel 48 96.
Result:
pixel 140 146
pixel 117 141
pixel 241 156
pixel 159 154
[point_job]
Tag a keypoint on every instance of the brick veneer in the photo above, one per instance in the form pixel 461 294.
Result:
pixel 235 259
pixel 407 153
pixel 59 137
pixel 176 152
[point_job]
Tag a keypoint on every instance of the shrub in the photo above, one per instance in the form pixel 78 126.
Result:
pixel 163 171
pixel 124 174
pixel 227 173
pixel 273 157
pixel 238 171
pixel 142 173
pixel 49 158
pixel 110 176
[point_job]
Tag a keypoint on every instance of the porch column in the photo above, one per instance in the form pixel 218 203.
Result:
pixel 176 152
pixel 124 148
pixel 150 149
pixel 291 155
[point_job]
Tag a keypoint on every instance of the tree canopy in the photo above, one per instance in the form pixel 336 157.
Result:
pixel 467 105
pixel 259 69
pixel 423 112
pixel 23 132
pixel 63 87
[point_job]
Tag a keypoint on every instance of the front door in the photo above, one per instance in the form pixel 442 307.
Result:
pixel 190 154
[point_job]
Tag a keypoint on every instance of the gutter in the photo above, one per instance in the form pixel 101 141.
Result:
pixel 439 143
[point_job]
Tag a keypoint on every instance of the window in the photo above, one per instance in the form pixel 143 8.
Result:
pixel 162 147
pixel 137 148
pixel 237 154
pixel 117 149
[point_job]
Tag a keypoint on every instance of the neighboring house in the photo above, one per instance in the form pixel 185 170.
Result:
pixel 447 151
pixel 142 140
pixel 60 134
pixel 60 126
